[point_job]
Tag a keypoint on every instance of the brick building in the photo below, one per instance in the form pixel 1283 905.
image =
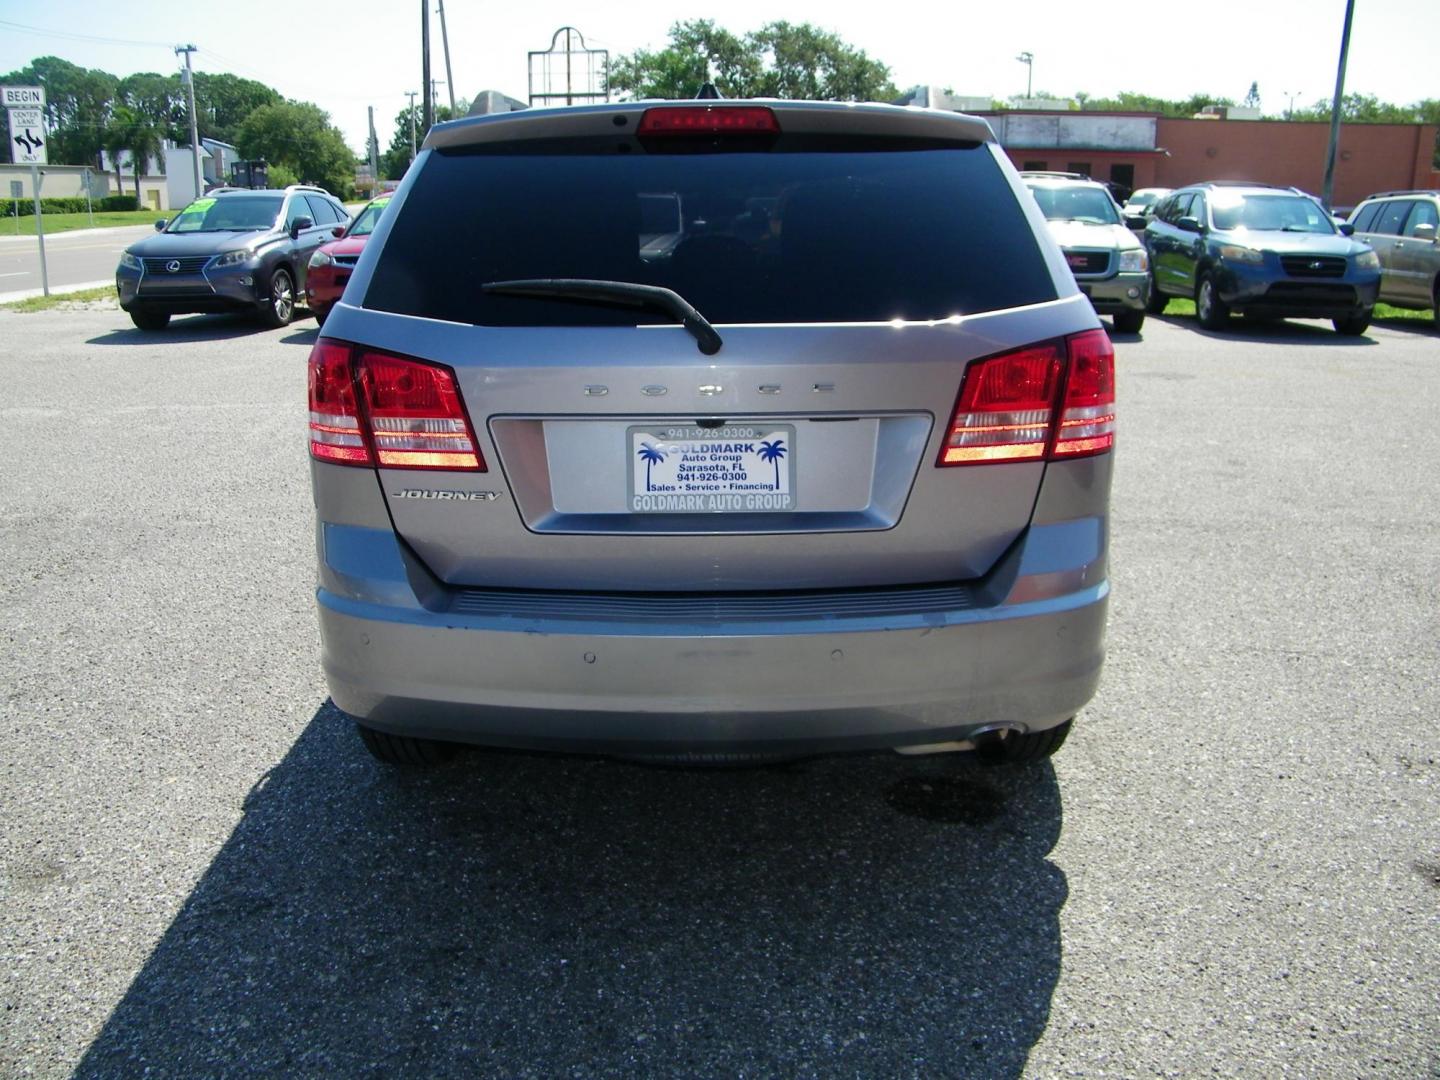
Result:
pixel 1148 150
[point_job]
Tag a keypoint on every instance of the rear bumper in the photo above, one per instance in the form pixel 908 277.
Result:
pixel 1023 647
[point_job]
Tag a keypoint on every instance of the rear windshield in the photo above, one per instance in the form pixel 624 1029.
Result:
pixel 777 236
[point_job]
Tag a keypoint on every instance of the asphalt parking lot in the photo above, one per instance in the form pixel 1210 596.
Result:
pixel 1232 868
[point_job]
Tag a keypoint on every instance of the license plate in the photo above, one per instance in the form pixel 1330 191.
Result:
pixel 739 468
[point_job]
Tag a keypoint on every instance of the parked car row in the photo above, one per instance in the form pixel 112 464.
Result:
pixel 240 250
pixel 1255 250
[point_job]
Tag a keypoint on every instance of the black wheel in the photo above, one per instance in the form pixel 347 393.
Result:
pixel 1435 305
pixel 1156 301
pixel 1128 321
pixel 280 308
pixel 319 314
pixel 405 749
pixel 1008 748
pixel 150 320
pixel 1354 326
pixel 1212 312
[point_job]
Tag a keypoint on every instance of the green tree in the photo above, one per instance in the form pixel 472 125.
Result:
pixel 299 136
pixel 161 100
pixel 395 160
pixel 781 59
pixel 222 103
pixel 1252 97
pixel 129 131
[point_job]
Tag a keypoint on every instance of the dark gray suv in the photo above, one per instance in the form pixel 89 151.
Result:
pixel 234 250
pixel 712 431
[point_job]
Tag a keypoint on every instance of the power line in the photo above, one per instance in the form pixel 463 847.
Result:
pixel 70 35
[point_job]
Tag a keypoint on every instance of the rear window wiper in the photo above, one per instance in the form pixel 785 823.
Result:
pixel 624 293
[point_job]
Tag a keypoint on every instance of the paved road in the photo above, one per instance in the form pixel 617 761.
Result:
pixel 1233 867
pixel 72 258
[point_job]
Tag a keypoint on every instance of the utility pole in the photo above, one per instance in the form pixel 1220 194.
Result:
pixel 189 80
pixel 411 95
pixel 1329 188
pixel 425 88
pixel 1028 59
pixel 449 78
pixel 374 153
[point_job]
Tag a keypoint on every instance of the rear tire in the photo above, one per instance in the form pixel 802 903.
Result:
pixel 405 750
pixel 1212 312
pixel 1128 321
pixel 319 316
pixel 1008 748
pixel 150 320
pixel 1353 326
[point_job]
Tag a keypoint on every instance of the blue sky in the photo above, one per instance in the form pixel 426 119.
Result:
pixel 344 59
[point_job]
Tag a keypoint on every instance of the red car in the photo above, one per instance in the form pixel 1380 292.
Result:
pixel 331 265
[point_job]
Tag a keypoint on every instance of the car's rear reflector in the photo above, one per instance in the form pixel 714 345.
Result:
pixel 409 413
pixel 1007 408
pixel 709 120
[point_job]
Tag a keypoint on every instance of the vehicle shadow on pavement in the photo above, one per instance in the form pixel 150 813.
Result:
pixel 1277 330
pixel 302 334
pixel 515 914
pixel 184 329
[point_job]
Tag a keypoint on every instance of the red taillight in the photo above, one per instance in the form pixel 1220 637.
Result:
pixel 1005 407
pixel 1006 410
pixel 334 420
pixel 1087 423
pixel 410 415
pixel 709 120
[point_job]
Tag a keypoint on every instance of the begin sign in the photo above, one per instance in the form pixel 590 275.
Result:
pixel 22 97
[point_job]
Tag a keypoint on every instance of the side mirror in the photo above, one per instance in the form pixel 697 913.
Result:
pixel 1134 221
pixel 299 225
pixel 1189 224
pixel 1424 231
pixel 160 225
pixel 1346 229
pixel 338 231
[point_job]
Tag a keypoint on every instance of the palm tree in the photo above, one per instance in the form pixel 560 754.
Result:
pixel 773 452
pixel 129 131
pixel 650 456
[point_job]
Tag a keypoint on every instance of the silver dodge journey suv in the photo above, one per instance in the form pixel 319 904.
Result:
pixel 712 431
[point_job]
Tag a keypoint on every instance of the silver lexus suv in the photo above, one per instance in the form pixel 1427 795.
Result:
pixel 712 432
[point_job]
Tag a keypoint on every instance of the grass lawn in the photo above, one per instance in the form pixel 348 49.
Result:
pixel 1383 312
pixel 57 300
pixel 58 223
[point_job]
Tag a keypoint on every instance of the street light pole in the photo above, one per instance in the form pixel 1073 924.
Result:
pixel 449 78
pixel 411 95
pixel 1329 188
pixel 425 88
pixel 1028 59
pixel 189 78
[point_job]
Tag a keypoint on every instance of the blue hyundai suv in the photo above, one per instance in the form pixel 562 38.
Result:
pixel 1265 252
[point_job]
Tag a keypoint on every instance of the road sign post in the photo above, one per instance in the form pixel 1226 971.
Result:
pixel 17 192
pixel 28 146
pixel 89 209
